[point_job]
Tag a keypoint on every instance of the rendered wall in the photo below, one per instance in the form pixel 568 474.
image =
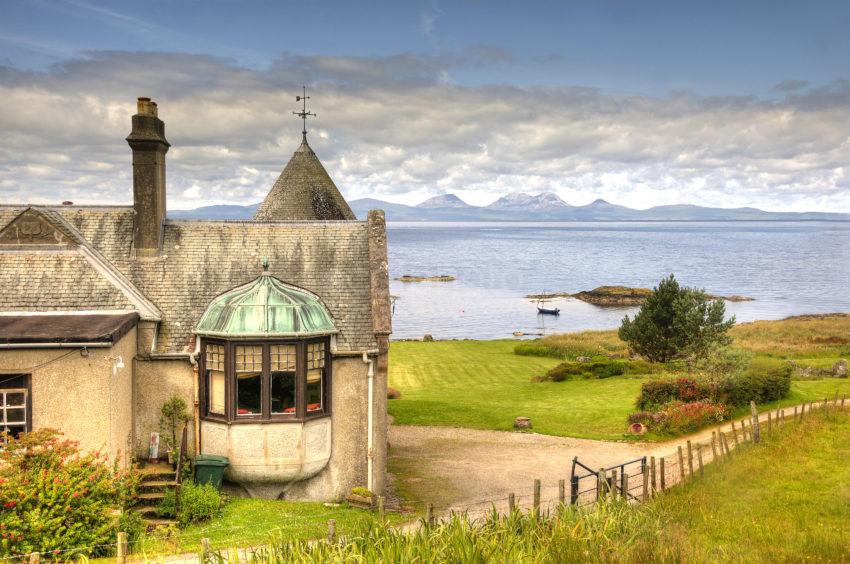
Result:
pixel 156 381
pixel 80 395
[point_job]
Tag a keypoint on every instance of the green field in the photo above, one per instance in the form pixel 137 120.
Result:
pixel 484 385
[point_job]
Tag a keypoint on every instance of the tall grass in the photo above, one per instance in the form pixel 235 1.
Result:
pixel 808 336
pixel 612 531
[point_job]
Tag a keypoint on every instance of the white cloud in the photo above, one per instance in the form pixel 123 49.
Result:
pixel 391 128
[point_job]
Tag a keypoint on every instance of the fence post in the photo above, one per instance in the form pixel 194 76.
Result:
pixel 601 482
pixel 690 458
pixel 121 548
pixel 429 512
pixel 205 549
pixel 573 490
pixel 645 478
pixel 724 444
pixel 782 414
pixel 663 481
pixel 562 493
pixel 681 464
pixel 713 446
pixel 615 490
pixel 745 431
pixel 735 434
pixel 511 502
pixel 35 557
pixel 331 530
pixel 536 498
pixel 769 424
pixel 699 459
pixel 795 413
pixel 843 397
pixel 652 475
pixel 755 425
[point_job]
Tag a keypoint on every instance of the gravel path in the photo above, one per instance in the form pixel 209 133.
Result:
pixel 457 469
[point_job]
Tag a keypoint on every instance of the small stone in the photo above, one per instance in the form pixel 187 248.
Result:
pixel 522 423
pixel 839 369
pixel 330 504
pixel 583 359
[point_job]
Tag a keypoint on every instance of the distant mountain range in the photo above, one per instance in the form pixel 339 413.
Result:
pixel 525 207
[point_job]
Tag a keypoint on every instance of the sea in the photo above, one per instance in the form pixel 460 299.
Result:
pixel 788 268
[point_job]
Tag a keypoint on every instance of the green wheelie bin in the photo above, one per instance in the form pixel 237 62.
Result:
pixel 209 469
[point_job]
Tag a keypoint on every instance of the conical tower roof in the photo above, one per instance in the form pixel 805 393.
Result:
pixel 304 190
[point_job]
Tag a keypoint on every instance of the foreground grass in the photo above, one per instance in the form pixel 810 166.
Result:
pixel 251 522
pixel 484 385
pixel 786 499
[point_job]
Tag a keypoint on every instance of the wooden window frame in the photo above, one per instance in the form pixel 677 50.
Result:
pixel 265 416
pixel 27 387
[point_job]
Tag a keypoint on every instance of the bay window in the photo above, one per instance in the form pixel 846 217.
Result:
pixel 262 381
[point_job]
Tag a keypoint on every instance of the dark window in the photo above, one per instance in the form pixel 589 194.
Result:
pixel 15 404
pixel 283 361
pixel 249 380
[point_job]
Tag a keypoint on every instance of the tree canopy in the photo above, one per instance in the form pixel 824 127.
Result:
pixel 676 322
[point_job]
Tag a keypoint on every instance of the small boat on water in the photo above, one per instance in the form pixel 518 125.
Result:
pixel 548 311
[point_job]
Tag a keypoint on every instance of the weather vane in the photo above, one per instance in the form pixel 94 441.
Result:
pixel 303 113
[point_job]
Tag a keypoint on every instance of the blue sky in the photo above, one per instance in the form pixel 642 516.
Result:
pixel 721 103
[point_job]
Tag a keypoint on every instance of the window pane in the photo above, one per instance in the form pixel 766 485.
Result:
pixel 314 389
pixel 282 357
pixel 283 392
pixel 249 379
pixel 315 355
pixel 215 357
pixel 16 399
pixel 215 391
pixel 16 415
pixel 248 393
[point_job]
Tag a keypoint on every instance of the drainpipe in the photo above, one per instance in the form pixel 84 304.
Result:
pixel 369 416
pixel 196 410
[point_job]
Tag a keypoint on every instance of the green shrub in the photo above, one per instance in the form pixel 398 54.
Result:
pixel 362 492
pixel 656 393
pixel 198 503
pixel 168 504
pixel 598 367
pixel 132 523
pixel 54 497
pixel 765 380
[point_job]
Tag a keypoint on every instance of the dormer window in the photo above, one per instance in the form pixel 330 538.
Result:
pixel 265 354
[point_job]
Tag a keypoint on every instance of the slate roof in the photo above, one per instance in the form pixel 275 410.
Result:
pixel 304 190
pixel 55 281
pixel 199 261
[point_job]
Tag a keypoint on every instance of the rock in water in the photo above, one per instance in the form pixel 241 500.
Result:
pixel 839 369
pixel 522 423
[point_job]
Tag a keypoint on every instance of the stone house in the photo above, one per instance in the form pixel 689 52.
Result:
pixel 275 331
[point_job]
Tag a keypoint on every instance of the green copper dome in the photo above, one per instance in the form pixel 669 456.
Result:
pixel 265 307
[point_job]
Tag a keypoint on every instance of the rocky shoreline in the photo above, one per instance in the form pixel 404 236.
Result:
pixel 438 278
pixel 620 296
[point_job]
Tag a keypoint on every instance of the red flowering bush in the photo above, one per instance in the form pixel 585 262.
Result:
pixel 55 498
pixel 688 417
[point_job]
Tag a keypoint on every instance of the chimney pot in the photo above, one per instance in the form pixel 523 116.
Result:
pixel 145 107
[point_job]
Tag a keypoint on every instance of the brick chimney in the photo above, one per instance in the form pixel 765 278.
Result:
pixel 147 140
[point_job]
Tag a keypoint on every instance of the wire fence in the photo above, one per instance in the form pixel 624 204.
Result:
pixel 654 475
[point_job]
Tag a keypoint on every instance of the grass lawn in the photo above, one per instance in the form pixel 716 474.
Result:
pixel 251 522
pixel 787 499
pixel 484 385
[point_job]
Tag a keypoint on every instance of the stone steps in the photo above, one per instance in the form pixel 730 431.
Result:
pixel 156 479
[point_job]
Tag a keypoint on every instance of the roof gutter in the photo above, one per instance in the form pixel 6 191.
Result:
pixel 54 345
